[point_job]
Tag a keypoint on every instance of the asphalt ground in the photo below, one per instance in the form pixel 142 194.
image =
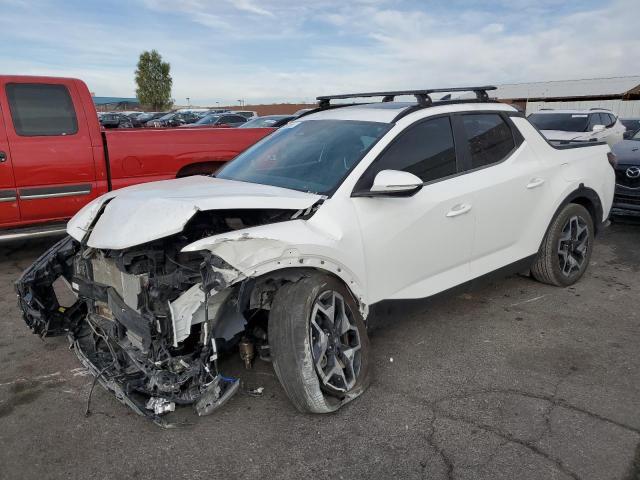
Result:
pixel 513 380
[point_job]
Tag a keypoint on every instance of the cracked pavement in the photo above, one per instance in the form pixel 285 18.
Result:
pixel 506 380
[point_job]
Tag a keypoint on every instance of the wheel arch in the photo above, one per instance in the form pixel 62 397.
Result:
pixel 253 286
pixel 199 168
pixel 586 197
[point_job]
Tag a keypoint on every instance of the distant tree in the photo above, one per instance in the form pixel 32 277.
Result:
pixel 153 81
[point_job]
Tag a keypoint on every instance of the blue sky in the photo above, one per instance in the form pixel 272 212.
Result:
pixel 291 51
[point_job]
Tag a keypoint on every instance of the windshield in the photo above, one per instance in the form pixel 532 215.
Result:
pixel 311 156
pixel 566 122
pixel 631 124
pixel 144 116
pixel 264 122
pixel 207 120
pixel 168 116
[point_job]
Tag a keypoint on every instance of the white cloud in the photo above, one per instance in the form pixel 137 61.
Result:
pixel 277 50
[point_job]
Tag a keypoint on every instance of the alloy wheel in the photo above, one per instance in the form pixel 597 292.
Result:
pixel 335 342
pixel 573 245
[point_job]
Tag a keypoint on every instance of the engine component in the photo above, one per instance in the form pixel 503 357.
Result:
pixel 246 352
pixel 160 405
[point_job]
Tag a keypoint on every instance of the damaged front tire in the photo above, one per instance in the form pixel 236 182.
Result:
pixel 319 344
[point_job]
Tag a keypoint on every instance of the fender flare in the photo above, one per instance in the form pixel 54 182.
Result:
pixel 589 199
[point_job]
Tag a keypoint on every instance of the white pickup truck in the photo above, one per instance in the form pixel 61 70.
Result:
pixel 285 249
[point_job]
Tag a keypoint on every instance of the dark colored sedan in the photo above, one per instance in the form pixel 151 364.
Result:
pixel 626 201
pixel 115 120
pixel 632 125
pixel 140 119
pixel 174 119
pixel 219 120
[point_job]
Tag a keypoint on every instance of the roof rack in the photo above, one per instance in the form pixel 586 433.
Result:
pixel 422 96
pixel 599 108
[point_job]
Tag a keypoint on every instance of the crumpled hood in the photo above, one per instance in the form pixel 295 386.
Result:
pixel 562 135
pixel 146 212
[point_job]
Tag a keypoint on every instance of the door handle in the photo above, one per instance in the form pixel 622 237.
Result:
pixel 459 209
pixel 535 182
pixel 3 157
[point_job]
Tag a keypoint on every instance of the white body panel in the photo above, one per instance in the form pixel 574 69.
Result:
pixel 448 233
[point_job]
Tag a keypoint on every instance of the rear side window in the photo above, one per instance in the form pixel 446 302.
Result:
pixel 490 138
pixel 41 110
pixel 425 149
pixel 597 119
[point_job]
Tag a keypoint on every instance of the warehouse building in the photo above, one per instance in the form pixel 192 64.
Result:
pixel 621 95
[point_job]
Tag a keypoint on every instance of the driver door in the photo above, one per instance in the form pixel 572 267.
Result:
pixel 418 245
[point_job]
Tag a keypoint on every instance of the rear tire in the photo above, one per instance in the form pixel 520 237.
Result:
pixel 320 367
pixel 566 248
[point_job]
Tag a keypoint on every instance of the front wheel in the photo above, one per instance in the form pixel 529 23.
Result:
pixel 319 343
pixel 566 249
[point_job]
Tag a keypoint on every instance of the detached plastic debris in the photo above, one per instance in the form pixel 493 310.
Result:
pixel 160 405
pixel 255 392
pixel 217 394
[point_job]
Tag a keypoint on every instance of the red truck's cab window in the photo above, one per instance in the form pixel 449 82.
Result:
pixel 41 110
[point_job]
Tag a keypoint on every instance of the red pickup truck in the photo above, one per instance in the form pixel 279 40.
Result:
pixel 55 157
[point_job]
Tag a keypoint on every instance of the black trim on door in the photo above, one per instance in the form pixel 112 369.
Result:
pixel 35 193
pixel 8 195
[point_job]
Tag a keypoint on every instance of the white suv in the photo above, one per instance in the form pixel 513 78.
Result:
pixel 286 248
pixel 579 125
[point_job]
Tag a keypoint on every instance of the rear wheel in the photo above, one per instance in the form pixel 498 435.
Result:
pixel 319 344
pixel 566 249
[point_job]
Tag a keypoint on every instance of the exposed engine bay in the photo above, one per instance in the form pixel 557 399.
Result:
pixel 150 321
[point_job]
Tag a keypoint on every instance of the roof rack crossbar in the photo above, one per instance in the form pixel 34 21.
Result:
pixel 422 96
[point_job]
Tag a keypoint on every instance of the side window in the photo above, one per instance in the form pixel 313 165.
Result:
pixel 41 110
pixel 597 119
pixel 425 149
pixel 612 119
pixel 490 138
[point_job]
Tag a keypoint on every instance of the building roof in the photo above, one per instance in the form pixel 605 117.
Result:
pixel 589 87
pixel 111 100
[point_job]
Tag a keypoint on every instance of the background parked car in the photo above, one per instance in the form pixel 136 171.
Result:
pixel 632 125
pixel 246 113
pixel 115 120
pixel 579 125
pixel 268 121
pixel 174 119
pixel 626 201
pixel 218 120
pixel 301 111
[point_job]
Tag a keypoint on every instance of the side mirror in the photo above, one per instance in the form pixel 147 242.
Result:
pixel 395 182
pixel 598 128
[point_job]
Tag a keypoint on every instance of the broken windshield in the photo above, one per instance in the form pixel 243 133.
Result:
pixel 311 156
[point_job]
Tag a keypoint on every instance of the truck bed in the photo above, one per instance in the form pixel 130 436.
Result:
pixel 145 155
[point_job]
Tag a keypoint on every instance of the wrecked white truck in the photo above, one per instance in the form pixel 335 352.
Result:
pixel 288 245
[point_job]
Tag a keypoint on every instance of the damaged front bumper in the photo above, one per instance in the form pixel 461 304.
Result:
pixel 151 345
